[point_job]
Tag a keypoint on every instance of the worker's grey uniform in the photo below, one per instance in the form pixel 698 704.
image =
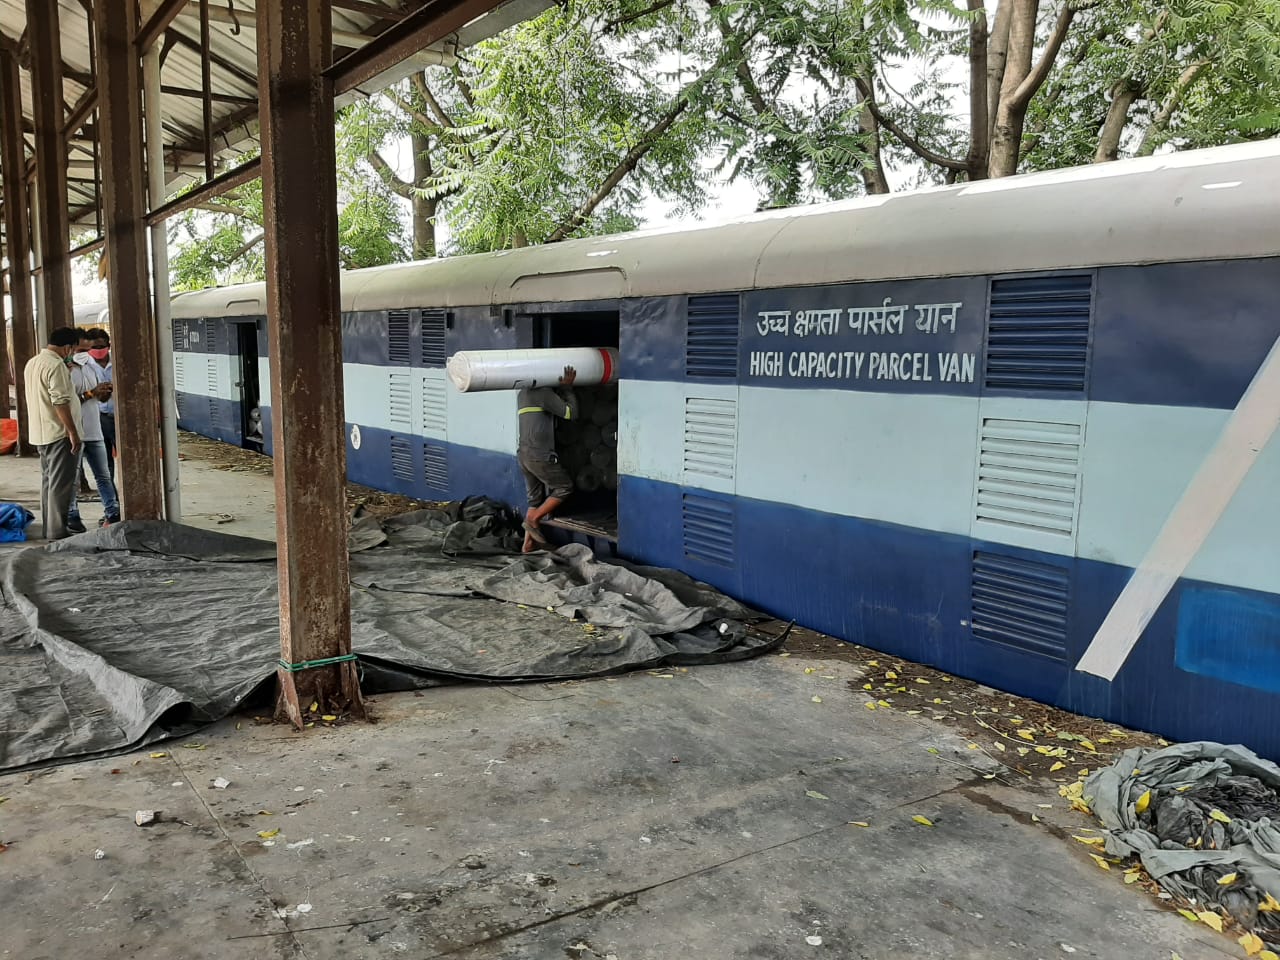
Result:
pixel 544 476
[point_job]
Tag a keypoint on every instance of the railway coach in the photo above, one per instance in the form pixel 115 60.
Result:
pixel 1017 429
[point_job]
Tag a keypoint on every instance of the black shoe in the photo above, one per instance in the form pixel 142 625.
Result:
pixel 75 526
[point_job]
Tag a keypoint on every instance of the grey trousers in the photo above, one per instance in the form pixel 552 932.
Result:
pixel 58 466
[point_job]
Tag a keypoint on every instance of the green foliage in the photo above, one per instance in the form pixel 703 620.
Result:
pixel 567 124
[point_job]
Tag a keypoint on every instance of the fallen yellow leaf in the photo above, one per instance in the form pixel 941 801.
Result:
pixel 870 705
pixel 1023 751
pixel 158 756
pixel 1269 905
pixel 1211 919
pixel 999 746
pixel 1057 765
pixel 1132 877
pixel 973 746
pixel 810 669
pixel 1088 745
pixel 1219 816
pixel 923 821
pixel 883 703
pixel 1227 879
pixel 314 707
pixel 1092 841
pixel 914 713
pixel 859 823
pixel 1144 801
pixel 1189 915
pixel 268 834
pixel 1026 735
pixel 816 699
pixel 1034 818
pixel 890 675
pixel 1100 862
pixel 866 686
pixel 873 663
pixel 1251 942
pixel 815 795
pixel 1268 955
pixel 921 680
pixel 328 717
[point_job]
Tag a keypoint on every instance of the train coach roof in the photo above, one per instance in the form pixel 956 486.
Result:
pixel 1222 203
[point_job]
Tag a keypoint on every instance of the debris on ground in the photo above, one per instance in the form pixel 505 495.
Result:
pixel 221 783
pixel 1031 738
pixel 99 854
pixel 144 818
pixel 222 456
pixel 1202 820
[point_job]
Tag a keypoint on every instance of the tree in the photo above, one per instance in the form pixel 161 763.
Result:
pixel 1080 81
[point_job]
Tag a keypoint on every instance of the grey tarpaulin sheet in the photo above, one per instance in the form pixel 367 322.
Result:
pixel 143 630
pixel 1181 836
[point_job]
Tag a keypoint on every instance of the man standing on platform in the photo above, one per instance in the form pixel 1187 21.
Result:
pixel 100 360
pixel 53 424
pixel 92 390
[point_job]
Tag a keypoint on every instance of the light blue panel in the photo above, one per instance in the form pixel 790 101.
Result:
pixel 264 384
pixel 367 391
pixel 486 420
pixel 203 374
pixel 1015 517
pixel 1244 547
pixel 650 441
pixel 1137 462
pixel 898 458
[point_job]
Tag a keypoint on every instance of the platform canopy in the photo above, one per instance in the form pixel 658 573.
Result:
pixel 209 76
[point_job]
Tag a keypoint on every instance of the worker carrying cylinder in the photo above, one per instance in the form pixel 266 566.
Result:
pixel 546 482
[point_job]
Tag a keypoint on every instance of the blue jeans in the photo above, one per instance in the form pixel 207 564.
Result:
pixel 95 452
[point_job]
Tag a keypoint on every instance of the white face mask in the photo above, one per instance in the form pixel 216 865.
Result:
pixel 80 358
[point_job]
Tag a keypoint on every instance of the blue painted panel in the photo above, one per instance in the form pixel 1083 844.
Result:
pixel 470 470
pixel 1230 635
pixel 652 338
pixel 216 417
pixel 910 336
pixel 907 592
pixel 1191 334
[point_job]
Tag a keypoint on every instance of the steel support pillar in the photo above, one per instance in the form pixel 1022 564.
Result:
pixel 133 336
pixel 160 284
pixel 17 237
pixel 308 431
pixel 51 165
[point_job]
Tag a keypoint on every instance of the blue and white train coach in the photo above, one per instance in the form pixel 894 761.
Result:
pixel 1017 429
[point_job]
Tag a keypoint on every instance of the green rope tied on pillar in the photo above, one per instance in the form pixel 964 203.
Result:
pixel 312 664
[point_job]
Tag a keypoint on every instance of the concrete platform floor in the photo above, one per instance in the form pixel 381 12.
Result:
pixel 238 503
pixel 702 813
pixel 697 814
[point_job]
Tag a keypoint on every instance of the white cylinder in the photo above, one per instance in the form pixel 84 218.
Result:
pixel 473 370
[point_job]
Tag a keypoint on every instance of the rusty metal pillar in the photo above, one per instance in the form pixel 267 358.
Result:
pixel 13 167
pixel 51 164
pixel 300 196
pixel 133 336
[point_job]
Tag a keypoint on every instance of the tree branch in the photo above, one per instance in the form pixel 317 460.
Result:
pixel 245 248
pixel 388 176
pixel 464 88
pixel 911 143
pixel 624 167
pixel 979 124
pixel 1040 72
pixel 611 25
pixel 420 84
pixel 1147 145
pixel 421 118
pixel 1123 94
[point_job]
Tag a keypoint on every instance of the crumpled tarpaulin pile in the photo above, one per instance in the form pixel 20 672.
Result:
pixel 1203 819
pixel 144 630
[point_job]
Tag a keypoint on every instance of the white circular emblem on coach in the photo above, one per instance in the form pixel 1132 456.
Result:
pixel 355 436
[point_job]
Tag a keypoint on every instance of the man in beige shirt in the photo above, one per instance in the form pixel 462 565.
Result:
pixel 53 419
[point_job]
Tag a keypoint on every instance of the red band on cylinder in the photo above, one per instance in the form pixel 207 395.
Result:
pixel 608 365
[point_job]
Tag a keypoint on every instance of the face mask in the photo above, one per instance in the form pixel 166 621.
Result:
pixel 100 353
pixel 80 358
